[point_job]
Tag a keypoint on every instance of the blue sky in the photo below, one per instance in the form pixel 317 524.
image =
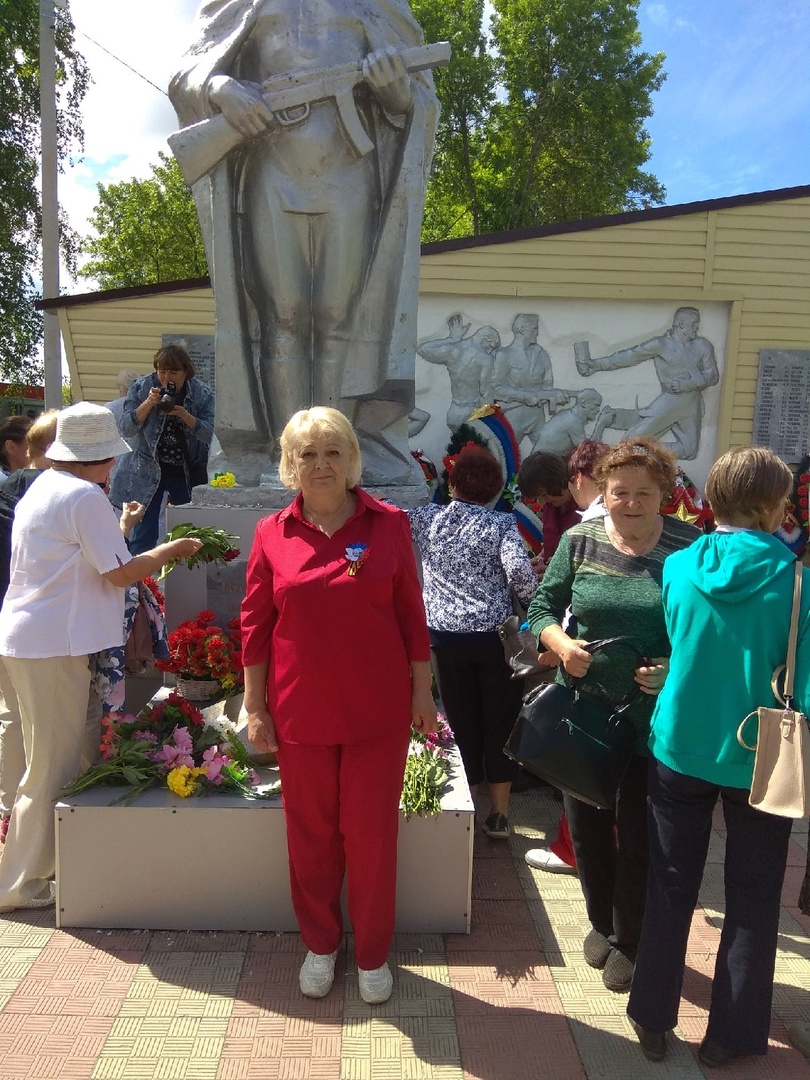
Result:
pixel 734 113
pixel 732 117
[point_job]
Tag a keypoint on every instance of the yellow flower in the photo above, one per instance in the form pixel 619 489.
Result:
pixel 183 780
pixel 223 480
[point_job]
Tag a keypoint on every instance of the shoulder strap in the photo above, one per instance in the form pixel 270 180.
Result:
pixel 790 663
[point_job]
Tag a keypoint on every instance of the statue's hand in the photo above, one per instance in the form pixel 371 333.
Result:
pixel 456 327
pixel 385 73
pixel 680 386
pixel 242 105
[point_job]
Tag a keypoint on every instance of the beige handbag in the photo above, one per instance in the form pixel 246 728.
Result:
pixel 781 781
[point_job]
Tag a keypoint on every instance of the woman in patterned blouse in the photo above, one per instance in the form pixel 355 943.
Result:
pixel 472 557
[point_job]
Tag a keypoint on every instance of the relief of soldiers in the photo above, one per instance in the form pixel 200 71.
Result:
pixel 524 382
pixel 470 364
pixel 685 365
pixel 566 429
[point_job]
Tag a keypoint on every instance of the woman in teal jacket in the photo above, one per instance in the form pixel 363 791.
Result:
pixel 727 603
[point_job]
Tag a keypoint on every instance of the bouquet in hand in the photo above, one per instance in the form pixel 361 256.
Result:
pixel 217 546
pixel 427 771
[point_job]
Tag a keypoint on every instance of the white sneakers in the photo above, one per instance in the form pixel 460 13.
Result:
pixel 375 985
pixel 541 858
pixel 317 974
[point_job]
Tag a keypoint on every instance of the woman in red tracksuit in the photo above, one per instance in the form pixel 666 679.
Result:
pixel 337 669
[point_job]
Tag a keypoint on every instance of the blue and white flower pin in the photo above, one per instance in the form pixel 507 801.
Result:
pixel 356 555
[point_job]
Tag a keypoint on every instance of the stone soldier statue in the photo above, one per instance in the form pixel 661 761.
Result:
pixel 685 366
pixel 311 213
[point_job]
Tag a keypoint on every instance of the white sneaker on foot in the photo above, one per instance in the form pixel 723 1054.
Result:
pixel 376 984
pixel 317 974
pixel 541 858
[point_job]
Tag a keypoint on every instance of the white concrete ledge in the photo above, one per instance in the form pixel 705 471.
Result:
pixel 219 862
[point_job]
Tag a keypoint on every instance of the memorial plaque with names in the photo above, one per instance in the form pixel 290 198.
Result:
pixel 200 347
pixel 782 407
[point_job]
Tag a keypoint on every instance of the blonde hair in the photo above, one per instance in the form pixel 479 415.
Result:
pixel 317 422
pixel 124 379
pixel 639 453
pixel 41 433
pixel 747 482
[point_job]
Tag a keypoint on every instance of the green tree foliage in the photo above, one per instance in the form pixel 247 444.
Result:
pixel 546 122
pixel 146 231
pixel 20 222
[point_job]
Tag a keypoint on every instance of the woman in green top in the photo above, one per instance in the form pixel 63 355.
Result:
pixel 608 572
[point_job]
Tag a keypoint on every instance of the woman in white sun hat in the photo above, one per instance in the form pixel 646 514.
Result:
pixel 65 600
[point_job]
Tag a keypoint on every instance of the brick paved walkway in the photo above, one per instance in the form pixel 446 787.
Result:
pixel 512 1000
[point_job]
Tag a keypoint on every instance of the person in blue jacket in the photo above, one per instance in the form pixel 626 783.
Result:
pixel 727 603
pixel 169 438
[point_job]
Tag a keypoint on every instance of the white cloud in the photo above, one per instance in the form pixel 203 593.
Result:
pixel 126 121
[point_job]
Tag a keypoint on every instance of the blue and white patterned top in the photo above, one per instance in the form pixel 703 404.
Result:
pixel 471 558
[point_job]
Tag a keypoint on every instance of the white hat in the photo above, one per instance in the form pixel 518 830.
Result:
pixel 86 432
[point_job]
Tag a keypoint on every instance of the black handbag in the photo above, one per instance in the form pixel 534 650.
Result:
pixel 579 743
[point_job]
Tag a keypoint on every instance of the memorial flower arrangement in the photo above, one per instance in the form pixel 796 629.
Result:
pixel 427 771
pixel 217 546
pixel 223 480
pixel 169 743
pixel 199 651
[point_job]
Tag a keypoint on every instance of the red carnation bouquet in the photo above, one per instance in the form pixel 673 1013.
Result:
pixel 201 651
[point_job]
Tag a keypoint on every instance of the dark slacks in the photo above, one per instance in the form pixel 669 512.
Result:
pixel 611 852
pixel 145 534
pixel 481 702
pixel 680 810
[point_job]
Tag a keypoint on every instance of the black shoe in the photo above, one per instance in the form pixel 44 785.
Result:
pixel 497 827
pixel 709 1053
pixel 618 973
pixel 596 949
pixel 653 1047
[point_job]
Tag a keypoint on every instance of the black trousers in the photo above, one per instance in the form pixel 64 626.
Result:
pixel 481 702
pixel 611 851
pixel 756 852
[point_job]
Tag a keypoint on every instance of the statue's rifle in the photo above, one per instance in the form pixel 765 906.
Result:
pixel 201 146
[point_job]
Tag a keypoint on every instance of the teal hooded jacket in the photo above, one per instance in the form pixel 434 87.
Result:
pixel 727 603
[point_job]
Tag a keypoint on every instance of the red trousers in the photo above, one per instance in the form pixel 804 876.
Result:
pixel 562 846
pixel 341 805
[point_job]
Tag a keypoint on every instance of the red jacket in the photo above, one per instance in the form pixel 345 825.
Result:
pixel 339 646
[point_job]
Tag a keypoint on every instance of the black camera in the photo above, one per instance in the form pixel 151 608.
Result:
pixel 167 398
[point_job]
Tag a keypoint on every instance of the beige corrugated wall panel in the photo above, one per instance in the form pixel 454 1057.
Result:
pixel 763 251
pixel 596 262
pixel 106 337
pixel 756 258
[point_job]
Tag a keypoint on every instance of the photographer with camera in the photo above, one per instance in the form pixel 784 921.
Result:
pixel 169 419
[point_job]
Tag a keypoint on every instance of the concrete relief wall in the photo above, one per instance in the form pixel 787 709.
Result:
pixel 673 385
